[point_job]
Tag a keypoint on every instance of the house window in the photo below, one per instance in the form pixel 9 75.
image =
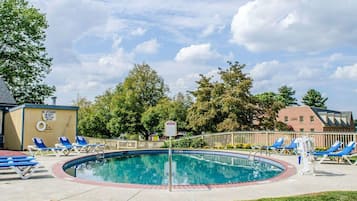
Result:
pixel 312 118
pixel 312 130
pixel 286 118
pixel 301 118
pixel 301 130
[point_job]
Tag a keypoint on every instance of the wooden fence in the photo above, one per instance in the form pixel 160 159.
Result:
pixel 268 138
pixel 234 138
pixel 125 144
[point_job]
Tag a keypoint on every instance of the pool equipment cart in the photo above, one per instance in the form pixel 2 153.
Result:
pixel 305 149
pixel 170 130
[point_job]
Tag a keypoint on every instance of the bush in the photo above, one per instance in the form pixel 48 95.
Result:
pixel 239 145
pixel 133 137
pixel 320 148
pixel 198 143
pixel 229 146
pixel 246 146
pixel 186 143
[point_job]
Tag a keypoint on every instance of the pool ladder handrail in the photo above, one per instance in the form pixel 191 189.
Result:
pixel 252 154
pixel 100 154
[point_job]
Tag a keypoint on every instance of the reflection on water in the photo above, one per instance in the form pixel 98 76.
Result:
pixel 190 169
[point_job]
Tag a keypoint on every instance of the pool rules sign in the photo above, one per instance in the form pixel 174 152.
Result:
pixel 170 131
pixel 170 128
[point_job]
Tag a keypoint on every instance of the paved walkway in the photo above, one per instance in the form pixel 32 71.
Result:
pixel 44 186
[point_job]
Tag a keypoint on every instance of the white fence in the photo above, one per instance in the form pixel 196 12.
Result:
pixel 268 138
pixel 125 144
pixel 234 138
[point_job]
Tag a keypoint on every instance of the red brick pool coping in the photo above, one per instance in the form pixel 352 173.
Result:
pixel 58 172
pixel 11 153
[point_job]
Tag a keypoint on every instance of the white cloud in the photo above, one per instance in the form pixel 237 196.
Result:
pixel 216 25
pixel 138 31
pixel 264 70
pixel 305 72
pixel 116 41
pixel 194 53
pixel 91 77
pixel 346 72
pixel 147 47
pixel 295 25
pixel 69 21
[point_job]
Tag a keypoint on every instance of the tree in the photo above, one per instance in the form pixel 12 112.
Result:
pixel 314 98
pixel 24 62
pixel 202 114
pixel 286 93
pixel 270 104
pixel 142 89
pixel 94 117
pixel 239 107
pixel 155 117
pixel 226 105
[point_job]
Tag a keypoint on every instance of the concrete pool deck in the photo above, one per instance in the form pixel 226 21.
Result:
pixel 43 185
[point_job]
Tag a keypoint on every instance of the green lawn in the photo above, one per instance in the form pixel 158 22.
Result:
pixel 325 196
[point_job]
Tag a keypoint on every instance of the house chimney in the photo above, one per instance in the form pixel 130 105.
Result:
pixel 54 98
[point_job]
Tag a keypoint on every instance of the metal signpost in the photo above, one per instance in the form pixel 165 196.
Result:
pixel 170 130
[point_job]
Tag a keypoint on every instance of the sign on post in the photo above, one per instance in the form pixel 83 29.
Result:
pixel 170 128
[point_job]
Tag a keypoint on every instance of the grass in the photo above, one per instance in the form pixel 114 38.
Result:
pixel 325 196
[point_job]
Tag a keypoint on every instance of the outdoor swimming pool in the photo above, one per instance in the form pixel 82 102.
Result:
pixel 191 167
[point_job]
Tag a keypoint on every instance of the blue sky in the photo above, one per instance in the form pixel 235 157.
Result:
pixel 299 43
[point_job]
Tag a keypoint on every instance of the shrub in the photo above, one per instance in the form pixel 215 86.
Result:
pixel 239 145
pixel 133 137
pixel 320 148
pixel 198 143
pixel 186 143
pixel 246 146
pixel 229 146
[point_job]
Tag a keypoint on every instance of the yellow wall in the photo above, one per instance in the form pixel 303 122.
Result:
pixel 64 125
pixel 15 136
pixel 13 130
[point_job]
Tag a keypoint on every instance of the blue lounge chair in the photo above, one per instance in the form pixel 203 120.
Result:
pixel 41 148
pixel 16 158
pixel 80 140
pixel 344 154
pixel 332 149
pixel 24 169
pixel 278 145
pixel 64 141
pixel 291 147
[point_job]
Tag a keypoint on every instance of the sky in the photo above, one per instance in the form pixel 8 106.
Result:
pixel 299 43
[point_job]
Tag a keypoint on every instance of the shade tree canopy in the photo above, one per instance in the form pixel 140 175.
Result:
pixel 24 62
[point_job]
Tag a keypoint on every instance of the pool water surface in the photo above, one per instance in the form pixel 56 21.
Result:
pixel 188 169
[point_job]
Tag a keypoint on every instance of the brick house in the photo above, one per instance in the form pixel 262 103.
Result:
pixel 313 119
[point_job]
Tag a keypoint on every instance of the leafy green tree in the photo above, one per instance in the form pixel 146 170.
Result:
pixel 270 104
pixel 155 117
pixel 239 107
pixel 202 114
pixel 287 95
pixel 24 62
pixel 93 117
pixel 223 106
pixel 314 98
pixel 143 88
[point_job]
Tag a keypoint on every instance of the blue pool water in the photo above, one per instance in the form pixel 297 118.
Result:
pixel 192 167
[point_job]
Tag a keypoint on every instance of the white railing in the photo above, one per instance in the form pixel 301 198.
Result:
pixel 125 144
pixel 234 138
pixel 269 137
